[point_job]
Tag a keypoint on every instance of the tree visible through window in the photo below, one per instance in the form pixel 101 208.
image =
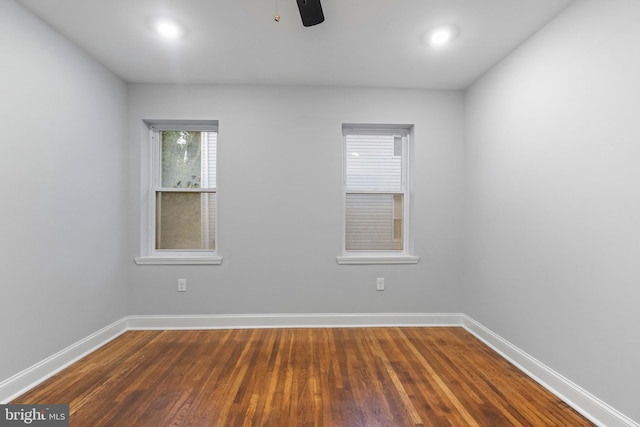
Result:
pixel 185 193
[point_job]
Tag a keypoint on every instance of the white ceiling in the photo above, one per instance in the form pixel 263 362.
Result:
pixel 361 42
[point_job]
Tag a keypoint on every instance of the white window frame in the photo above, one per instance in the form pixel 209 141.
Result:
pixel 403 256
pixel 150 184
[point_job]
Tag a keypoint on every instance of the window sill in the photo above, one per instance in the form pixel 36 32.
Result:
pixel 165 260
pixel 377 259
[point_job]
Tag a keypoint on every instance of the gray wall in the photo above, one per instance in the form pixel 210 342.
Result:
pixel 280 202
pixel 552 259
pixel 62 181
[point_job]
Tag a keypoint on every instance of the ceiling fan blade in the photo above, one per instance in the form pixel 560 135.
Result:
pixel 310 12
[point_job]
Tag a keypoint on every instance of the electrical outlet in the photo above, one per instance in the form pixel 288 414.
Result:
pixel 380 284
pixel 182 285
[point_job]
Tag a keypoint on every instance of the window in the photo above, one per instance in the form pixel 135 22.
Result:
pixel 182 194
pixel 376 195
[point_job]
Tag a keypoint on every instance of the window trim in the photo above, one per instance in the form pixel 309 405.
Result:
pixel 404 256
pixel 149 255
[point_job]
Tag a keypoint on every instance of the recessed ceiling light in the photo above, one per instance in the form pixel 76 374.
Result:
pixel 441 36
pixel 166 27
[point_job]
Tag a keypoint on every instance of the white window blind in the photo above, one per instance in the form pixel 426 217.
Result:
pixel 208 173
pixel 375 190
pixel 372 163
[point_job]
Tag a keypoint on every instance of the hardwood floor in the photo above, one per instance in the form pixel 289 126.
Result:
pixel 301 377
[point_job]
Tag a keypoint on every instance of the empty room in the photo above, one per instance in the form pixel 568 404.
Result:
pixel 320 212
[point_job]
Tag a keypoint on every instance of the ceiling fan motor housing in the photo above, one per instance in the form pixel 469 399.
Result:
pixel 310 12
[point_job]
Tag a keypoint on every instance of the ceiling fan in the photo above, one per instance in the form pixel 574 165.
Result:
pixel 310 12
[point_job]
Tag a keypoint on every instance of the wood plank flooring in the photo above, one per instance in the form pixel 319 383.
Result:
pixel 343 377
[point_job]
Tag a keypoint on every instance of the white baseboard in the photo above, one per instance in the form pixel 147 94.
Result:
pixel 23 381
pixel 588 405
pixel 581 400
pixel 303 320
